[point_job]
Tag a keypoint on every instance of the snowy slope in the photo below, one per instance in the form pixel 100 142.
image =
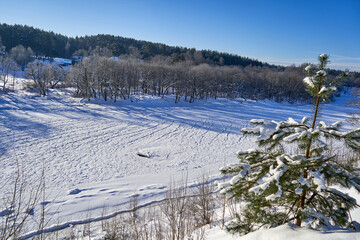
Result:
pixel 90 150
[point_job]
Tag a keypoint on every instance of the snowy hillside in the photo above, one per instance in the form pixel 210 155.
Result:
pixel 98 153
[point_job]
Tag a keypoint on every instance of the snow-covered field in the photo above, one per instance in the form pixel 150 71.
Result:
pixel 90 151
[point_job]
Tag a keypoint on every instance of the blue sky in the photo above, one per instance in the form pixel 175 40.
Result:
pixel 276 31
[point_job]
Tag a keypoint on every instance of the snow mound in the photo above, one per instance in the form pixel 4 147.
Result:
pixel 286 232
pixel 158 153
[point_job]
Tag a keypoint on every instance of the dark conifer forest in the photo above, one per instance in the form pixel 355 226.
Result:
pixel 50 44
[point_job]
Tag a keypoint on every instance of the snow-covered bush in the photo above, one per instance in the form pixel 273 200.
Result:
pixel 276 186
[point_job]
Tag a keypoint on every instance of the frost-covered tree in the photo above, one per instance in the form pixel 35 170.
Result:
pixel 7 66
pixel 45 76
pixel 21 55
pixel 277 184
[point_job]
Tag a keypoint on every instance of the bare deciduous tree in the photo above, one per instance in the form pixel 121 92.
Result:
pixel 7 67
pixel 45 76
pixel 21 55
pixel 18 205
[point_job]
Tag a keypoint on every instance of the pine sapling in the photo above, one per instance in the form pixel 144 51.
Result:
pixel 276 186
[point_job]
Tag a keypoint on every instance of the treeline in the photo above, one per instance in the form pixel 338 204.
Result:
pixel 111 79
pixel 50 44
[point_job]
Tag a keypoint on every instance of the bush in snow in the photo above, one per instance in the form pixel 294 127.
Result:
pixel 276 186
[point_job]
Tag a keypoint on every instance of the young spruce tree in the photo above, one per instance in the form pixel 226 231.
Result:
pixel 276 186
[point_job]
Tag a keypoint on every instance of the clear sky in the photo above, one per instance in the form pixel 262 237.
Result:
pixel 275 31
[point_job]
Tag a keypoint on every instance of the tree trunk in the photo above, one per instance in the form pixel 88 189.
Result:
pixel 307 155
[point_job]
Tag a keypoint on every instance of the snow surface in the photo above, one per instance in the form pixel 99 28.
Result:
pixel 286 232
pixel 90 149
